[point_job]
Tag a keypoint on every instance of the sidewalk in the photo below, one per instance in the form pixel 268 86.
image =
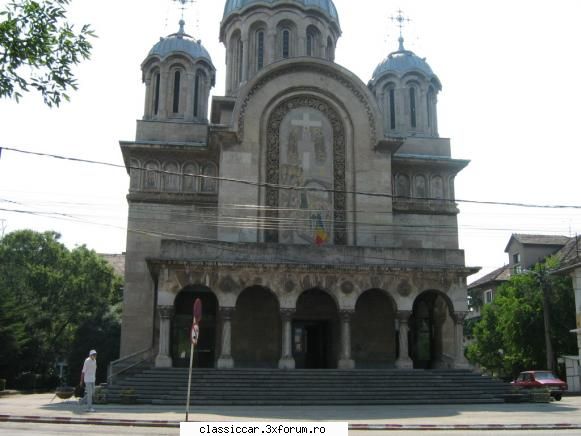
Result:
pixel 562 414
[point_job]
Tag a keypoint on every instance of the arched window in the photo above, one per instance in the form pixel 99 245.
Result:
pixel 134 175
pixel 170 177
pixel 151 179
pixel 240 57
pixel 429 106
pixel 313 38
pixel 156 83
pixel 413 107
pixel 209 184
pixel 197 93
pixel 259 50
pixel 330 50
pixel 391 102
pixel 189 181
pixel 285 43
pixel 176 92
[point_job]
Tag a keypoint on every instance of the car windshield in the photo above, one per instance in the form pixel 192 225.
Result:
pixel 544 375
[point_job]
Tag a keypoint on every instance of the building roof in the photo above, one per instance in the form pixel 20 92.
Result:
pixel 570 255
pixel 326 6
pixel 180 42
pixel 404 61
pixel 501 274
pixel 117 261
pixel 524 239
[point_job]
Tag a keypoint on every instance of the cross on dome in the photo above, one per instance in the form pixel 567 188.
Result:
pixel 401 21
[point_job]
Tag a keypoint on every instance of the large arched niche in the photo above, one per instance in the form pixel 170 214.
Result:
pixel 373 335
pixel 206 349
pixel 305 148
pixel 315 332
pixel 256 329
pixel 432 333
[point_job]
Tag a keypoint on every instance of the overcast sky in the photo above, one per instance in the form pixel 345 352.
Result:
pixel 510 104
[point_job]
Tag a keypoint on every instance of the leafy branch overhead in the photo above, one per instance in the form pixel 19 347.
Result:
pixel 38 48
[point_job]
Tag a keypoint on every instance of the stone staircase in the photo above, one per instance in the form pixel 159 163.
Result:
pixel 310 387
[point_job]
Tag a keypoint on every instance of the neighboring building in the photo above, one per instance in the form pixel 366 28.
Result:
pixel 313 215
pixel 117 262
pixel 524 251
pixel 483 290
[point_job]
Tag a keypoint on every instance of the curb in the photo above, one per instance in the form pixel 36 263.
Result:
pixel 176 424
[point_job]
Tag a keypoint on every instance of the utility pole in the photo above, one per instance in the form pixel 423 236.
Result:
pixel 541 276
pixel 2 228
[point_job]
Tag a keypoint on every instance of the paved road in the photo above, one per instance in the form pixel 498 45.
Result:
pixel 27 429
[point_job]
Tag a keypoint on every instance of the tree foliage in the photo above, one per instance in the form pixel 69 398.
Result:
pixel 510 335
pixel 48 294
pixel 38 49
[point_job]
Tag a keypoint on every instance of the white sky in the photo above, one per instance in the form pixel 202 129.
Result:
pixel 510 103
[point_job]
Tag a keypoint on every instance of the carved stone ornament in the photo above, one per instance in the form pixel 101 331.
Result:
pixel 227 312
pixel 404 288
pixel 273 164
pixel 227 284
pixel 312 69
pixel 289 285
pixel 347 287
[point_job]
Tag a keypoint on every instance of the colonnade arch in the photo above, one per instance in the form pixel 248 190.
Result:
pixel 256 329
pixel 432 331
pixel 374 339
pixel 312 327
pixel 205 350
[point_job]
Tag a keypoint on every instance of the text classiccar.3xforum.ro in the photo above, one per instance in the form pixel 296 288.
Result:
pixel 264 428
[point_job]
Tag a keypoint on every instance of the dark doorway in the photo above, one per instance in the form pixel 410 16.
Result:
pixel 432 331
pixel 310 344
pixel 205 351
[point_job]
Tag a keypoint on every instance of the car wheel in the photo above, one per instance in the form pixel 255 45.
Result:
pixel 558 397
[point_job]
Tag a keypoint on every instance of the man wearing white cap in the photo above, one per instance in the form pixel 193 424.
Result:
pixel 88 378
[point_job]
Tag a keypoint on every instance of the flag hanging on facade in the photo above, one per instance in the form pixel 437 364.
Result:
pixel 320 233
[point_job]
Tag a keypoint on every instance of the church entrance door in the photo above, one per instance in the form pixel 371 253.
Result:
pixel 310 344
pixel 205 351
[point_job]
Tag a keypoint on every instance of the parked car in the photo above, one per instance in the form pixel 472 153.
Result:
pixel 538 379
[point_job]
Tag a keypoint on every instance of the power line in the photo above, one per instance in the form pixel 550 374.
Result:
pixel 298 188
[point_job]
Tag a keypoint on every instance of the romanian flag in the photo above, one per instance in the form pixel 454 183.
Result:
pixel 320 234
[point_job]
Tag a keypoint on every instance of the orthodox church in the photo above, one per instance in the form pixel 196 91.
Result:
pixel 311 213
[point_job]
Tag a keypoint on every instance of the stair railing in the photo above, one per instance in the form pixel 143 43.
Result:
pixel 125 363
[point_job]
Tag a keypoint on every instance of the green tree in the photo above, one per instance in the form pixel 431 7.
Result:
pixel 510 336
pixel 47 293
pixel 38 49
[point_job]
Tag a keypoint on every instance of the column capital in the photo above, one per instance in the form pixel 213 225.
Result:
pixel 287 314
pixel 346 314
pixel 165 311
pixel 459 317
pixel 227 312
pixel 404 315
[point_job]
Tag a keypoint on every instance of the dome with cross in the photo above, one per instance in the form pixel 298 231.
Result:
pixel 325 6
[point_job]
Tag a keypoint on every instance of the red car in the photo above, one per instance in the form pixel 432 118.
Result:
pixel 537 379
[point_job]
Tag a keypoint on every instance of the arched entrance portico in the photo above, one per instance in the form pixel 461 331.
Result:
pixel 432 331
pixel 315 331
pixel 256 329
pixel 374 339
pixel 205 351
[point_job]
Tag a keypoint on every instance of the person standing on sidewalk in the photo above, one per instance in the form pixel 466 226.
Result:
pixel 88 375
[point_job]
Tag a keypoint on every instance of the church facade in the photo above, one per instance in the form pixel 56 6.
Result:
pixel 312 214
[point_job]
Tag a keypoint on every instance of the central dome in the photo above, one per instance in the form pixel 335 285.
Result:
pixel 326 6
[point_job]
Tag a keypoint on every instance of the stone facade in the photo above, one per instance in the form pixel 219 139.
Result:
pixel 315 235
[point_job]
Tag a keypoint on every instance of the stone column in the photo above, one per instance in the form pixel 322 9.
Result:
pixel 403 360
pixel 287 361
pixel 269 48
pixel 163 360
pixel 460 361
pixel 225 360
pixel 345 361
